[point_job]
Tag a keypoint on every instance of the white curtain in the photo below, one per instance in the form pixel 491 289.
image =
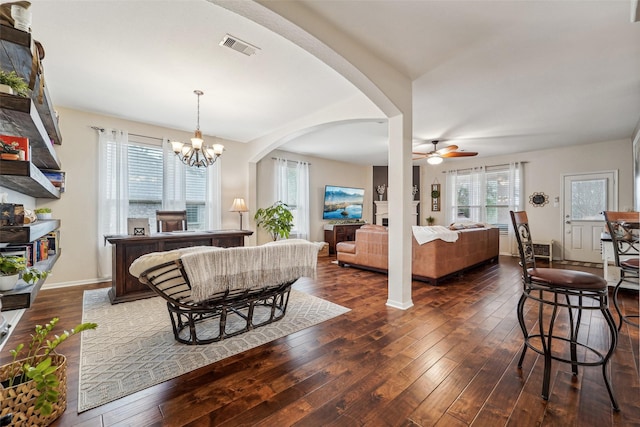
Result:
pixel 297 198
pixel 473 183
pixel 213 199
pixel 302 200
pixel 173 180
pixel 113 192
pixel 515 199
pixel 281 183
pixel 477 195
pixel 451 199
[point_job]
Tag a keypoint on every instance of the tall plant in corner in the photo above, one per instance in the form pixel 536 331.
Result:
pixel 277 219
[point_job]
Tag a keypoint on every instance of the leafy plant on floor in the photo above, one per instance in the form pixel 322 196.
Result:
pixel 277 219
pixel 42 372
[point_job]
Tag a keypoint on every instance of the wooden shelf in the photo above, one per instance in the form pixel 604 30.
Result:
pixel 28 232
pixel 16 51
pixel 18 116
pixel 26 178
pixel 23 294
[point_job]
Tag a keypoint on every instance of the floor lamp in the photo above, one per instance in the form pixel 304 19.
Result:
pixel 239 206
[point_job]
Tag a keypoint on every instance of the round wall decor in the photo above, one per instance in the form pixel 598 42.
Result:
pixel 538 199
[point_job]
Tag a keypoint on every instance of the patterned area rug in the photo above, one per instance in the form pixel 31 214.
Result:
pixel 133 347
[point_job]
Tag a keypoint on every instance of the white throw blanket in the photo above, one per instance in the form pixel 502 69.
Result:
pixel 217 270
pixel 426 234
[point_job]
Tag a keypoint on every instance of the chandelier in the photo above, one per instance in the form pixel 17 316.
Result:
pixel 196 154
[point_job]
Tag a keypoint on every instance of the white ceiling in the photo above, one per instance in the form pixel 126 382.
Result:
pixel 493 77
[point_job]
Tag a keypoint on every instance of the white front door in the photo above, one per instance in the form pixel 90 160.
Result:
pixel 585 197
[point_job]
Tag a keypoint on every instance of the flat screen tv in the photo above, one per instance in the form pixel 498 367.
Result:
pixel 342 202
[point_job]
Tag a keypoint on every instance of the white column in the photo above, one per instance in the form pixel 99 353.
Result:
pixel 400 212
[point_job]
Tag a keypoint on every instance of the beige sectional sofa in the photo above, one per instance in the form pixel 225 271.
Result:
pixel 431 262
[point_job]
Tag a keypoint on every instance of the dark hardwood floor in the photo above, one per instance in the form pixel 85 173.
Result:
pixel 448 361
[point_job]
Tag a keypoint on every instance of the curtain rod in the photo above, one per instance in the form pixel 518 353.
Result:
pixel 485 166
pixel 293 161
pixel 99 129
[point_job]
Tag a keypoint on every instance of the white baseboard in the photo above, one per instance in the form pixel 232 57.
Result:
pixel 55 285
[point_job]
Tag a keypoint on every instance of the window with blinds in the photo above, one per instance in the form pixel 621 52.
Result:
pixel 485 196
pixel 145 186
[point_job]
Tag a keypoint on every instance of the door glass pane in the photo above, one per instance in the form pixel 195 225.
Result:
pixel 588 199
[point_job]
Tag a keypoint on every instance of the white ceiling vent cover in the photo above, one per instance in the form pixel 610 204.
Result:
pixel 238 45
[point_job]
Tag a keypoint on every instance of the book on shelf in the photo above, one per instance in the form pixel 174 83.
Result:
pixel 57 178
pixel 54 241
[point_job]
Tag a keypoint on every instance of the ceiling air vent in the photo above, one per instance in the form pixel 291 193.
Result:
pixel 238 45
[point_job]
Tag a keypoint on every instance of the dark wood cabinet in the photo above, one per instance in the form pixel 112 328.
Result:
pixel 336 233
pixel 126 249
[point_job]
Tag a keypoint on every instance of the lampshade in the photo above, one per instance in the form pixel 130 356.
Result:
pixel 434 160
pixel 238 205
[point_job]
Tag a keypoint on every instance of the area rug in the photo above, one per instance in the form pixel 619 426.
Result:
pixel 133 347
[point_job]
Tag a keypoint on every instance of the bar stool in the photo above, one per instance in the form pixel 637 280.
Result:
pixel 620 226
pixel 560 289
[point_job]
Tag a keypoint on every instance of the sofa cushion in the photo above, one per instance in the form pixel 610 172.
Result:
pixel 374 227
pixel 347 246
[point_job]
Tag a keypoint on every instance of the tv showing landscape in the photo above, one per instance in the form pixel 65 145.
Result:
pixel 342 202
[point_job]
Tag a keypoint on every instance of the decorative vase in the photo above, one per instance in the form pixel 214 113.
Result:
pixel 19 399
pixel 8 282
pixel 380 196
pixel 44 215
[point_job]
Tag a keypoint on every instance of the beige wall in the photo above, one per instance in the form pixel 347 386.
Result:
pixel 321 172
pixel 77 207
pixel 543 172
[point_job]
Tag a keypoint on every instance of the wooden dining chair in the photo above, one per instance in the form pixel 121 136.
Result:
pixel 171 220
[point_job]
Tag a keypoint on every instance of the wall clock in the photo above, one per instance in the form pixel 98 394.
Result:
pixel 538 199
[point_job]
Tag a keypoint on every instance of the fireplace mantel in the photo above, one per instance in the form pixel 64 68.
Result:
pixel 382 212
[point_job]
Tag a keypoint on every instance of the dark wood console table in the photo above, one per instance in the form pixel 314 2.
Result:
pixel 336 233
pixel 125 287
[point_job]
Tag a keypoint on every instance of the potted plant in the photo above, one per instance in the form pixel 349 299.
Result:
pixel 43 213
pixel 35 385
pixel 12 267
pixel 12 83
pixel 277 219
pixel 430 220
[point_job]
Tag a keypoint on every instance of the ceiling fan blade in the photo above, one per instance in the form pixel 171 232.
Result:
pixel 446 149
pixel 418 156
pixel 460 154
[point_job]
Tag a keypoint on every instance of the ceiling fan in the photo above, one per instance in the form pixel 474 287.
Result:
pixel 436 156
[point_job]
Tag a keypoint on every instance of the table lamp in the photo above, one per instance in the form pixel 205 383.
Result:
pixel 239 206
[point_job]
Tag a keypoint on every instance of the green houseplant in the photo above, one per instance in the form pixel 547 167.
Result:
pixel 15 82
pixel 277 219
pixel 430 220
pixel 43 213
pixel 38 378
pixel 12 267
